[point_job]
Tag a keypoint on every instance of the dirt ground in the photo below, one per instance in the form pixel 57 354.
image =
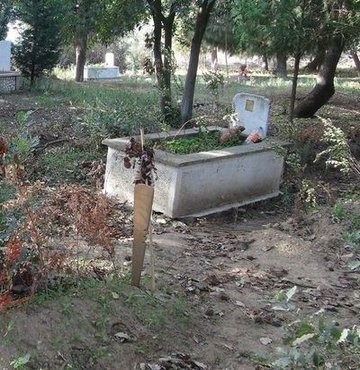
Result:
pixel 229 268
pixel 225 298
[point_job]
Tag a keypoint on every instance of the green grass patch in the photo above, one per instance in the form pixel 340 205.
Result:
pixel 203 141
pixel 61 164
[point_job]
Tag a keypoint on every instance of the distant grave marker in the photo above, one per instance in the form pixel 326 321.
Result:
pixel 252 112
pixel 9 80
pixel 5 55
pixel 109 60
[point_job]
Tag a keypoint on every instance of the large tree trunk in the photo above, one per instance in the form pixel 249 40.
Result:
pixel 168 24
pixel 281 70
pixel 163 67
pixel 316 63
pixel 324 88
pixel 214 59
pixel 81 49
pixel 265 62
pixel 202 19
pixel 356 60
pixel 159 67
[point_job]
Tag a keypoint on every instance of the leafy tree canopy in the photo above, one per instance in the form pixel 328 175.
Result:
pixel 102 20
pixel 38 50
pixel 267 27
pixel 5 15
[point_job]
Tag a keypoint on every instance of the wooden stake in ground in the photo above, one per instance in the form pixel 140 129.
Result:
pixel 143 199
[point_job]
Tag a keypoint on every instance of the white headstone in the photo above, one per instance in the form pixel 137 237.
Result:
pixel 252 112
pixel 109 60
pixel 5 55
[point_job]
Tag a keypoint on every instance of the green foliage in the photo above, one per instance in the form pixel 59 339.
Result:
pixel 108 113
pixel 308 194
pixel 219 32
pixel 338 153
pixel 283 299
pixel 338 212
pixel 155 310
pixel 203 141
pixel 5 15
pixel 59 164
pixel 100 21
pixel 341 212
pixel 315 342
pixel 20 362
pixel 268 27
pixel 124 116
pixel 352 239
pixel 22 144
pixel 38 50
pixel 214 81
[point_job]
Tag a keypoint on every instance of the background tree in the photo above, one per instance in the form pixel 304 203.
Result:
pixel 356 59
pixel 163 16
pixel 5 15
pixel 204 10
pixel 282 28
pixel 317 60
pixel 259 29
pixel 37 51
pixel 341 29
pixel 293 27
pixel 219 33
pixel 90 21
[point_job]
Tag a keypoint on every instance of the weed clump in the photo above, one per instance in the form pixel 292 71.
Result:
pixel 204 141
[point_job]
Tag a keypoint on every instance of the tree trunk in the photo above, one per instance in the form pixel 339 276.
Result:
pixel 214 59
pixel 316 63
pixel 168 24
pixel 265 62
pixel 356 60
pixel 163 68
pixel 294 86
pixel 202 19
pixel 281 70
pixel 81 49
pixel 324 88
pixel 32 75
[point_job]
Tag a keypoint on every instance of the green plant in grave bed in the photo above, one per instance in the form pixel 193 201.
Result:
pixel 203 141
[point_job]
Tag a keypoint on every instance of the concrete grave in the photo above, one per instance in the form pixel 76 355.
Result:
pixel 9 80
pixel 108 71
pixel 200 183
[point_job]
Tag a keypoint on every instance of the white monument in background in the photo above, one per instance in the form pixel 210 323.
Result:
pixel 109 60
pixel 9 80
pixel 108 71
pixel 5 56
